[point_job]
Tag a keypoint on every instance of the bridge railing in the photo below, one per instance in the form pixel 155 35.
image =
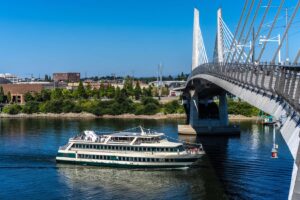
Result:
pixel 277 81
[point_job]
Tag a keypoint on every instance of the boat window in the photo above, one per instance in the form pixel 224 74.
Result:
pixel 144 148
pixel 148 149
pixel 128 148
pixel 156 160
pixel 181 148
pixel 152 160
pixel 109 147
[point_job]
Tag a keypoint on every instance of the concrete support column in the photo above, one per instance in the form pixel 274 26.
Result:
pixel 194 116
pixel 223 109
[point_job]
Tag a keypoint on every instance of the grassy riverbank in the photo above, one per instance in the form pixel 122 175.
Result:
pixel 123 116
pixel 129 102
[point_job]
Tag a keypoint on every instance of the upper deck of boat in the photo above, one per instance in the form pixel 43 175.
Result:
pixel 125 138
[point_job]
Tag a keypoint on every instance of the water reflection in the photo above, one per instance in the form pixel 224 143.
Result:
pixel 112 183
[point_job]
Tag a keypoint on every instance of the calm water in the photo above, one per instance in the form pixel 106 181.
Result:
pixel 234 168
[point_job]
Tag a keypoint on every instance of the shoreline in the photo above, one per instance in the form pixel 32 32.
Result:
pixel 84 115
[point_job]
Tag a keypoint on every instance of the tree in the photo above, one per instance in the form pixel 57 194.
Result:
pixel 28 97
pixel 128 86
pixel 102 89
pixel 31 107
pixel 88 89
pixel 8 97
pixel 137 91
pixel 80 92
pixel 2 96
pixel 56 94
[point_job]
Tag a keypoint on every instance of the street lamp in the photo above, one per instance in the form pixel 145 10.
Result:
pixel 276 39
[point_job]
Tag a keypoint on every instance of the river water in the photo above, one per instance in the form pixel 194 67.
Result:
pixel 234 167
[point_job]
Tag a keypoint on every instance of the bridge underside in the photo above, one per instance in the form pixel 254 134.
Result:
pixel 206 107
pixel 272 105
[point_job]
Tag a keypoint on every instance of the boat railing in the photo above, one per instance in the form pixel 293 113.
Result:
pixel 64 147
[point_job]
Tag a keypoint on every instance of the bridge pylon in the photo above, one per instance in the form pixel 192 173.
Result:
pixel 199 53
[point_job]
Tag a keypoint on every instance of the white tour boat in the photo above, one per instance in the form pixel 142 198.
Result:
pixel 128 149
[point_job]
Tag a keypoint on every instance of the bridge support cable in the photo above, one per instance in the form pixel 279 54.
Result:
pixel 258 31
pixel 286 31
pixel 228 40
pixel 244 26
pixel 270 31
pixel 297 57
pixel 250 29
pixel 238 27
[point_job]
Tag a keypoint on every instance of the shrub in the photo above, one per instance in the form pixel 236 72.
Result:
pixel 147 100
pixel 150 109
pixel 53 106
pixel 31 107
pixel 12 109
pixel 172 107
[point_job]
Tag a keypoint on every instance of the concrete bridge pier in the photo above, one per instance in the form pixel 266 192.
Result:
pixel 206 117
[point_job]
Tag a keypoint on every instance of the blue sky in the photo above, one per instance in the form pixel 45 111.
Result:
pixel 100 37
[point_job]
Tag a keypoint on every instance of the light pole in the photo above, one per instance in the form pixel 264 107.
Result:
pixel 287 35
pixel 276 39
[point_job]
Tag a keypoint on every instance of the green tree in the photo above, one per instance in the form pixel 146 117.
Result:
pixel 89 91
pixel 80 92
pixel 8 97
pixel 102 90
pixel 110 91
pixel 28 97
pixel 52 106
pixel 45 95
pixel 2 96
pixel 31 107
pixel 137 91
pixel 128 86
pixel 56 94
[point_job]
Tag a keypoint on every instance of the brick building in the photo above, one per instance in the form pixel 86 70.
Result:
pixel 17 91
pixel 66 77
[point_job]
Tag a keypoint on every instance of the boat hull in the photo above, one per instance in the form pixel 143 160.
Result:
pixel 120 164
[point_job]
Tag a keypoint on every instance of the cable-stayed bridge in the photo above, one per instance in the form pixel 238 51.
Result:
pixel 236 68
